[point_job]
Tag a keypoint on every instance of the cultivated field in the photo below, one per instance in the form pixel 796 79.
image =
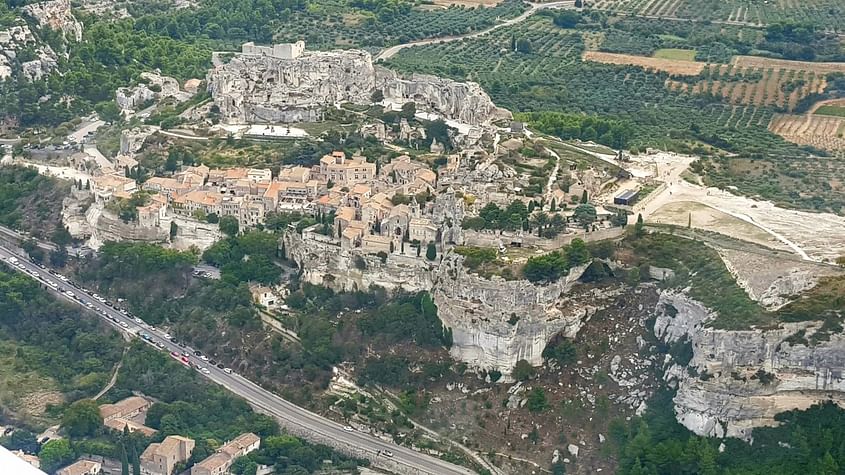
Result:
pixel 836 111
pixel 671 66
pixel 820 131
pixel 757 62
pixel 760 82
pixel 823 13
pixel 676 54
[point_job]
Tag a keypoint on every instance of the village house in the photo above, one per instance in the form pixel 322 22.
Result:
pixel 219 463
pixel 107 187
pixel 161 458
pixel 119 415
pixel 82 467
pixel 344 171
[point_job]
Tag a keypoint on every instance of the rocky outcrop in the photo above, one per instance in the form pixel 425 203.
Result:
pixel 324 262
pixel 131 140
pixel 56 15
pixel 252 88
pixel 267 89
pixel 39 61
pixel 496 323
pixel 738 380
pixel 157 87
pixel 461 101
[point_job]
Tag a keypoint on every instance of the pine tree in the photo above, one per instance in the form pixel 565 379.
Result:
pixel 584 196
pixel 638 228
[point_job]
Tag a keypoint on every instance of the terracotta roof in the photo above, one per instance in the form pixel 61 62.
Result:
pixel 125 406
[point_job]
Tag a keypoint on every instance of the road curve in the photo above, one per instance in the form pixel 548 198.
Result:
pixel 534 8
pixel 404 460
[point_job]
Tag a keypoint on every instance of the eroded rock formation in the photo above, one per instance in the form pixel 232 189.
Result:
pixel 496 323
pixel 255 88
pixel 738 380
pixel 56 14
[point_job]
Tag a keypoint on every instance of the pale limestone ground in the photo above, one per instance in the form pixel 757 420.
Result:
pixel 681 213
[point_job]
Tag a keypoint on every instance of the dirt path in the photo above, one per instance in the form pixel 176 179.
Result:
pixel 534 8
pixel 113 376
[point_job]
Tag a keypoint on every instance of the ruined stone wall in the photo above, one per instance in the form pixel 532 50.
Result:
pixel 266 89
pixel 254 88
pixel 323 262
pixel 738 380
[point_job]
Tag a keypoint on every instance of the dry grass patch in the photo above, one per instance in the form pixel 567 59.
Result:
pixel 671 66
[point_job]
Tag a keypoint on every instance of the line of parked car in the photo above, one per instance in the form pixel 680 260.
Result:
pixel 183 357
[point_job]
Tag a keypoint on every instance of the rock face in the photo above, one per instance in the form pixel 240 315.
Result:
pixel 462 101
pixel 267 89
pixel 16 39
pixel 253 88
pixel 56 15
pixel 323 262
pixel 496 323
pixel 738 380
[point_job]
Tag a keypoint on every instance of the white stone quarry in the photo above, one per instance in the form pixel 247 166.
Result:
pixel 722 393
pixel 253 88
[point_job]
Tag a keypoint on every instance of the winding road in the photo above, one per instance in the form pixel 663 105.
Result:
pixel 533 8
pixel 297 420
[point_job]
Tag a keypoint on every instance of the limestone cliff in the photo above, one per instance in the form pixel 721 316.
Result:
pixel 738 380
pixel 324 262
pixel 267 89
pixel 496 323
pixel 462 101
pixel 253 88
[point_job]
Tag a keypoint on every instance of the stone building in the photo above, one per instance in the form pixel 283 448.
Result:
pixel 343 171
pixel 219 463
pixel 161 458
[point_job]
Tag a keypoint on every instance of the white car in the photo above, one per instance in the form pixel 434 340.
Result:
pixel 167 336
pixel 124 325
pixel 227 370
pixel 89 305
pixel 205 371
pixel 204 358
pixel 349 428
pixel 138 321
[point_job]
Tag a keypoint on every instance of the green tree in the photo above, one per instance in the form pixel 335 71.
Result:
pixel 639 228
pixel 431 251
pixel 174 229
pixel 229 225
pixel 523 45
pixel 82 418
pixel 537 401
pixel 55 453
pixel 584 197
pixel 244 466
pixel 212 218
pixel 124 459
pixel 585 215
pixel 523 371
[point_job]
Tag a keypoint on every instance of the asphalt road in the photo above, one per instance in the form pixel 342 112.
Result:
pixel 264 401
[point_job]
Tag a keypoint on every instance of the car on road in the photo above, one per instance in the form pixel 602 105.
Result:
pixel 220 365
pixel 175 354
pixel 227 370
pixel 386 453
pixel 213 363
pixel 205 371
pixel 349 428
pixel 138 320
pixel 124 325
pixel 204 358
pixel 198 353
pixel 89 305
pixel 115 320
pixel 160 345
pixel 167 336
